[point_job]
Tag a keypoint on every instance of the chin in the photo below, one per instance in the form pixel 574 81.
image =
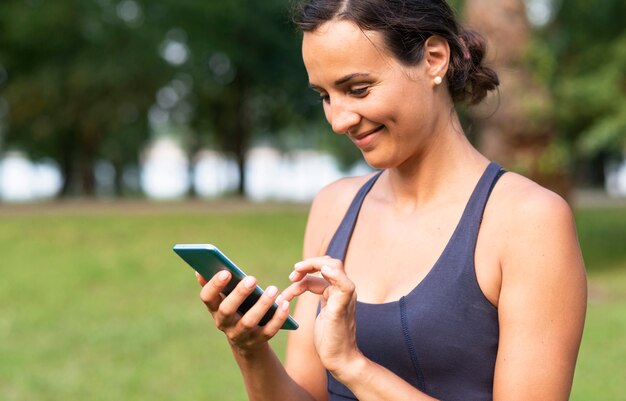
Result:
pixel 377 161
pixel 387 160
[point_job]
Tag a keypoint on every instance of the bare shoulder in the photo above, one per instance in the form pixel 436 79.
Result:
pixel 327 210
pixel 535 231
pixel 523 206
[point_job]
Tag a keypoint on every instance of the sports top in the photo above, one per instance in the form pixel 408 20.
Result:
pixel 442 337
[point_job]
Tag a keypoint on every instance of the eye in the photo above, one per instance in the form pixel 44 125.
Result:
pixel 359 91
pixel 325 98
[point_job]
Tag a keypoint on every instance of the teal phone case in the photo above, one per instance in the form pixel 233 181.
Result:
pixel 207 260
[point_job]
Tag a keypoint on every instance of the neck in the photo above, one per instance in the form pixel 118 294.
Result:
pixel 444 171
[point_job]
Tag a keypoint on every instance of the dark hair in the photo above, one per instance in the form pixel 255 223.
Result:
pixel 406 25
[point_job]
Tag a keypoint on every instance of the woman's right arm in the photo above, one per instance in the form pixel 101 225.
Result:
pixel 264 375
pixel 303 377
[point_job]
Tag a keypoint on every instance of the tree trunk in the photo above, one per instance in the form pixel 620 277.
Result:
pixel 67 171
pixel 520 135
pixel 87 178
pixel 241 164
pixel 241 134
pixel 89 151
pixel 118 181
pixel 240 146
pixel 66 151
pixel 235 128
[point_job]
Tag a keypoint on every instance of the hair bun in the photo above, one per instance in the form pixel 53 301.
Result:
pixel 468 78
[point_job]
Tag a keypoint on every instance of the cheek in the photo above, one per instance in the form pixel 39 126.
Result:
pixel 389 105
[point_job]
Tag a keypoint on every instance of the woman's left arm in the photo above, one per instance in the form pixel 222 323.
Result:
pixel 335 333
pixel 542 301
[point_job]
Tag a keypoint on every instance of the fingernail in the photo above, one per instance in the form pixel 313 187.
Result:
pixel 298 264
pixel 279 299
pixel 285 305
pixel 326 269
pixel 292 276
pixel 223 275
pixel 248 282
pixel 271 291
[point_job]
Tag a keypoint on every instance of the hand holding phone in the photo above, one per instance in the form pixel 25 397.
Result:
pixel 207 260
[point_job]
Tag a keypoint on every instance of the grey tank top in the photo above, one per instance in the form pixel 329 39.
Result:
pixel 442 337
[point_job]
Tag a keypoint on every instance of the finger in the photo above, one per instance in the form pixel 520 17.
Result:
pixel 316 285
pixel 338 278
pixel 279 318
pixel 201 280
pixel 312 265
pixel 341 292
pixel 227 311
pixel 253 316
pixel 210 293
pixel 296 276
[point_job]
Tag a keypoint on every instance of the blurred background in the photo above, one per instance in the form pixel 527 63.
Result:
pixel 176 99
pixel 107 105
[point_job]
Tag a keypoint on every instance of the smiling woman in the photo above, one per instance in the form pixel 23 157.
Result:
pixel 441 276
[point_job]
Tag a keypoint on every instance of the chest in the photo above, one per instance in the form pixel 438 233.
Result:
pixel 389 255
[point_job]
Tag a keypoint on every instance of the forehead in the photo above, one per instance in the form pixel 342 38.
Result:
pixel 338 48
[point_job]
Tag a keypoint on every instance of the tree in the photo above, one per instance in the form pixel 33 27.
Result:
pixel 83 77
pixel 76 75
pixel 249 80
pixel 517 125
pixel 588 44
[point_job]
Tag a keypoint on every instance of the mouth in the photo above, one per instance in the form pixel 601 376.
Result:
pixel 364 139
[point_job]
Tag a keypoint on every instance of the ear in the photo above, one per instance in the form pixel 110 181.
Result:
pixel 436 56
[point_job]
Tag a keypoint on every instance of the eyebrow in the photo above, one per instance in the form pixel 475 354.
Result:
pixel 343 79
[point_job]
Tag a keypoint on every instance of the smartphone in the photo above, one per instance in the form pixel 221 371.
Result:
pixel 207 260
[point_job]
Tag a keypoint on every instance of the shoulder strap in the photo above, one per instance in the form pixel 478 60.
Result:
pixel 339 243
pixel 473 214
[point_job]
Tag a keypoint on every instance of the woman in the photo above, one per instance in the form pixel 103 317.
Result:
pixel 460 281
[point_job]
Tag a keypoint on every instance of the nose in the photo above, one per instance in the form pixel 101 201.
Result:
pixel 342 119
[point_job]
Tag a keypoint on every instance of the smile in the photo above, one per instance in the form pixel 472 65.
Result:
pixel 363 140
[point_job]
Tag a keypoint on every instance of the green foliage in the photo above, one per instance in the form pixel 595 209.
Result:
pixel 78 79
pixel 588 41
pixel 457 5
pixel 78 84
pixel 598 101
pixel 264 93
pixel 82 76
pixel 553 158
pixel 601 233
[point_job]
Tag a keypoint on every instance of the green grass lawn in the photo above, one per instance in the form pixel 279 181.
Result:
pixel 601 365
pixel 96 306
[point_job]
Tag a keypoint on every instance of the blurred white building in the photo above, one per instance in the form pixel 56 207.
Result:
pixel 165 170
pixel 615 182
pixel 296 176
pixel 22 180
pixel 270 175
pixel 166 173
pixel 214 174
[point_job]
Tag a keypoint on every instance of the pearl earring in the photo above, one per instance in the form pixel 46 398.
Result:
pixel 438 80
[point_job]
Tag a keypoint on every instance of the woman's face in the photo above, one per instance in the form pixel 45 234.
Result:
pixel 384 107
